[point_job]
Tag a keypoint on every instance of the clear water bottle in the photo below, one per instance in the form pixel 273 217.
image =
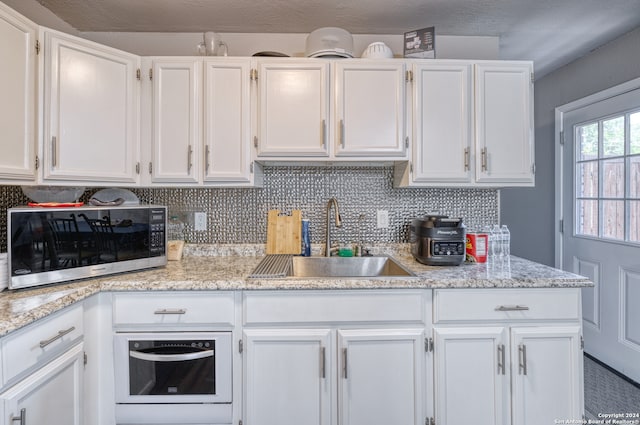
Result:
pixel 496 244
pixel 506 240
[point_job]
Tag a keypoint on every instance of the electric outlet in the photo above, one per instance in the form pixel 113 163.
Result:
pixel 382 219
pixel 200 219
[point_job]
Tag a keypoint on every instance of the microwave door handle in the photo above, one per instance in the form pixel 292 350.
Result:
pixel 170 357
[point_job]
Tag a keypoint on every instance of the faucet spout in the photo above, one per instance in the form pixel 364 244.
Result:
pixel 338 220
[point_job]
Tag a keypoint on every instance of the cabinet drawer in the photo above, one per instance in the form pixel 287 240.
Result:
pixel 38 343
pixel 173 308
pixel 344 306
pixel 506 304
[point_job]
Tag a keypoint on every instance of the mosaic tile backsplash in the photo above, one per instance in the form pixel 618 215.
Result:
pixel 240 215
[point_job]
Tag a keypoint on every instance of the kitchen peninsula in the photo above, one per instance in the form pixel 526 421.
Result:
pixel 502 340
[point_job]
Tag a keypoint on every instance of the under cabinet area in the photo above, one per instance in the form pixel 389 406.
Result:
pixel 43 371
pixel 513 357
pixel 91 112
pixel 18 109
pixel 342 357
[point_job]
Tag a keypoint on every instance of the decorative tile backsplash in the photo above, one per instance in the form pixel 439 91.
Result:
pixel 240 215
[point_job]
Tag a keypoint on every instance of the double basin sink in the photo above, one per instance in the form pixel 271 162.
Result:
pixel 333 267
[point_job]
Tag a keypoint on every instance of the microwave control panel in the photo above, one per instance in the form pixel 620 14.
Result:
pixel 157 234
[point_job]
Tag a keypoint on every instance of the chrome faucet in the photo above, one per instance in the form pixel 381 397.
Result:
pixel 334 202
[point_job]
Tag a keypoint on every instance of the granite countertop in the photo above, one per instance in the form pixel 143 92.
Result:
pixel 227 268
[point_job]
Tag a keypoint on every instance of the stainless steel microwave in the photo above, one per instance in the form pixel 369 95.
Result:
pixel 50 245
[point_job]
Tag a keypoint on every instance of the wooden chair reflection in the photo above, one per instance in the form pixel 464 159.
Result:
pixel 107 247
pixel 67 246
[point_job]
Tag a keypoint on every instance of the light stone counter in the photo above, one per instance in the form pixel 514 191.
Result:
pixel 227 268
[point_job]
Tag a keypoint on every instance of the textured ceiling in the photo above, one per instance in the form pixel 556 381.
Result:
pixel 550 32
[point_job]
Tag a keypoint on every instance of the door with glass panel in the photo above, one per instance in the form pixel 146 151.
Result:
pixel 601 224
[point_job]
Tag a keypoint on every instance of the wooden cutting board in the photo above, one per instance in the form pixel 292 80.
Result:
pixel 284 232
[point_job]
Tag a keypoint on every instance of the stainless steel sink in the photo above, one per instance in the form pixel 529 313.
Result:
pixel 353 267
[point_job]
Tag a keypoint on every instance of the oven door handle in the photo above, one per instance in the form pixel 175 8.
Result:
pixel 170 357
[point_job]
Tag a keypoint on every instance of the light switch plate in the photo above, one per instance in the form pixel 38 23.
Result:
pixel 382 219
pixel 200 219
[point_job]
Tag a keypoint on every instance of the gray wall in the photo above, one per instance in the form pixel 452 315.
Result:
pixel 529 213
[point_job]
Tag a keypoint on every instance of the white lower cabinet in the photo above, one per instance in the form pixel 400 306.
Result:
pixel 288 376
pixel 52 395
pixel 381 376
pixel 525 368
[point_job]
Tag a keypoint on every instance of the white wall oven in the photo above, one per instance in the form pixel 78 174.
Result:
pixel 173 377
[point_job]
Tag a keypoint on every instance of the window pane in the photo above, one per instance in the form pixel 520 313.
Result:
pixel 587 179
pixel 587 136
pixel 634 176
pixel 613 178
pixel 613 219
pixel 587 217
pixel 634 221
pixel 634 124
pixel 613 137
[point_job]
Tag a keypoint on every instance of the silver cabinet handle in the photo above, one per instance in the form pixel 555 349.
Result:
pixel 22 418
pixel 501 366
pixel 522 363
pixel 170 357
pixel 344 363
pixel 323 142
pixel 206 158
pixel 57 336
pixel 483 159
pixel 189 155
pixel 342 133
pixel 171 311
pixel 323 370
pixel 512 308
pixel 466 159
pixel 54 151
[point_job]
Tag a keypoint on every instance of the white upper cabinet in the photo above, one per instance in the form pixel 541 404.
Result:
pixel 369 108
pixel 292 108
pixel 504 123
pixel 472 125
pixel 91 112
pixel 176 118
pixel 19 103
pixel 442 122
pixel 227 121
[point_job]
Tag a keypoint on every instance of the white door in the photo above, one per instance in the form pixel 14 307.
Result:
pixel 227 125
pixel 600 209
pixel 370 108
pixel 471 376
pixel 52 395
pixel 381 377
pixel 504 122
pixel 293 108
pixel 442 122
pixel 18 88
pixel 287 377
pixel 546 364
pixel 91 111
pixel 177 106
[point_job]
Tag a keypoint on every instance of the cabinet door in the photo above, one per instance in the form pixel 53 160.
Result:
pixel 227 125
pixel 370 108
pixel 287 377
pixel 504 123
pixel 52 395
pixel 91 111
pixel 293 110
pixel 18 88
pixel 176 120
pixel 546 363
pixel 442 122
pixel 381 377
pixel 471 376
